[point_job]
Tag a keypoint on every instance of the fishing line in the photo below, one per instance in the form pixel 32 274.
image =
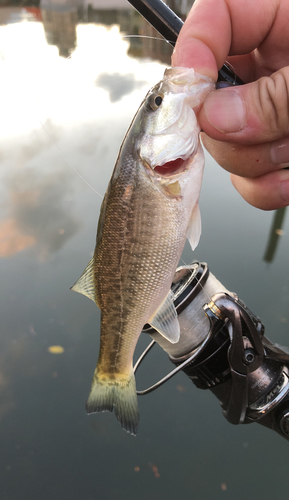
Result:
pixel 78 173
pixel 147 36
pixel 55 143
pixel 66 160
pixel 198 281
pixel 63 155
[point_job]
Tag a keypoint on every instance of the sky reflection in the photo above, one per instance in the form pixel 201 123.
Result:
pixel 58 103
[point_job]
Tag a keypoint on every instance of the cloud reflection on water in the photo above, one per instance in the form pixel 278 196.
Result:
pixel 61 120
pixel 118 85
pixel 38 213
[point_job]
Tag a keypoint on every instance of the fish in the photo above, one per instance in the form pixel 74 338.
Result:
pixel 149 209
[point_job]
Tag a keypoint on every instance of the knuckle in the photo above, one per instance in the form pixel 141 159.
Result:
pixel 273 94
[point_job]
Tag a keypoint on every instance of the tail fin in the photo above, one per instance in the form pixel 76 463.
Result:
pixel 119 393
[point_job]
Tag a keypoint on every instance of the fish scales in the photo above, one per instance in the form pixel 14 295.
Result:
pixel 150 208
pixel 129 297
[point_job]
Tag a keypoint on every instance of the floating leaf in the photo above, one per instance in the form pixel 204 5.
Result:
pixel 56 349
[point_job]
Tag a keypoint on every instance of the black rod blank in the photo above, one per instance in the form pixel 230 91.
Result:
pixel 169 25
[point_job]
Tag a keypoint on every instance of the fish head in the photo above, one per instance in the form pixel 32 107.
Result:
pixel 170 129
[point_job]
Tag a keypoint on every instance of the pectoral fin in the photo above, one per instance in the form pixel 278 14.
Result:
pixel 85 284
pixel 166 321
pixel 195 227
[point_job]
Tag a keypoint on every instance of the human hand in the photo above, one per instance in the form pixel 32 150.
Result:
pixel 246 128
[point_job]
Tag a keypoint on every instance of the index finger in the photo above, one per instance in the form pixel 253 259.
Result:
pixel 214 30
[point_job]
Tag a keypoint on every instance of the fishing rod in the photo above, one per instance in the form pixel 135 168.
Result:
pixel 169 25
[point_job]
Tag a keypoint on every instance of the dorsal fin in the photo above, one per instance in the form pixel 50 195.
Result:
pixel 85 284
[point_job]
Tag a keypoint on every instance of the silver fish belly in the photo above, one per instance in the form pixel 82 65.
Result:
pixel 150 208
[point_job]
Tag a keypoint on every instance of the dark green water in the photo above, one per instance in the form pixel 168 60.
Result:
pixel 58 115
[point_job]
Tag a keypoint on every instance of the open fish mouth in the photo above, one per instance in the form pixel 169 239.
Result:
pixel 171 167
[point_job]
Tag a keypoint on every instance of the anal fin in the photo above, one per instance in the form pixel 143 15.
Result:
pixel 165 321
pixel 85 284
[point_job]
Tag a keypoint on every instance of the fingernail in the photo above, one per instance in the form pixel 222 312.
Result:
pixel 280 151
pixel 225 111
pixel 284 188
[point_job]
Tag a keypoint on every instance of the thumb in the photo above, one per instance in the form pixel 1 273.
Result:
pixel 254 113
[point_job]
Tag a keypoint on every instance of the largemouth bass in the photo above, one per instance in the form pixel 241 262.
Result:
pixel 150 208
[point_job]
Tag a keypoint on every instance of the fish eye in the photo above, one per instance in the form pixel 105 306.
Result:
pixel 154 101
pixel 158 100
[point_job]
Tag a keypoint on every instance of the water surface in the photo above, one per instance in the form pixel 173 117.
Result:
pixel 70 85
